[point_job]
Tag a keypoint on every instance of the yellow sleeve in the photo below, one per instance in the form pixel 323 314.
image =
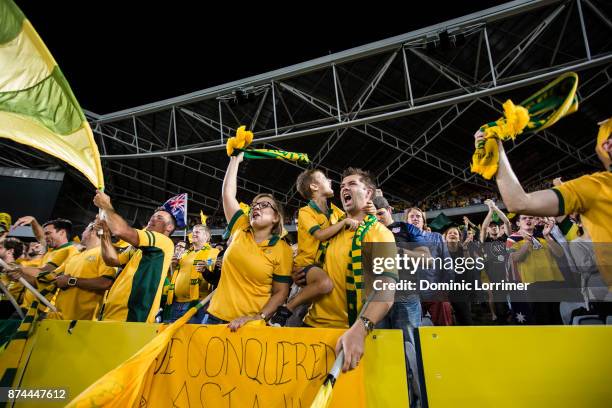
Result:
pixel 383 247
pixel 59 257
pixel 337 214
pixel 578 194
pixel 146 238
pixel 155 239
pixel 239 221
pixel 307 221
pixel 282 272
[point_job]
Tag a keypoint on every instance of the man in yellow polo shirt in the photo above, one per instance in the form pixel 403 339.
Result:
pixel 83 279
pixel 135 296
pixel 335 309
pixel 589 195
pixel 188 283
pixel 59 249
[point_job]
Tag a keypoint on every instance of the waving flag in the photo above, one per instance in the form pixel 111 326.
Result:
pixel 177 206
pixel 37 106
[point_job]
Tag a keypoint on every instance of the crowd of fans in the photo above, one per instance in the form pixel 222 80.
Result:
pixel 120 273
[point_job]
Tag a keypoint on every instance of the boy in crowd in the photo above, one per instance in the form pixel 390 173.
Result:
pixel 317 222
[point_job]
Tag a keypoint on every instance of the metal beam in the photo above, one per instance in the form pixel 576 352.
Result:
pixel 210 171
pixel 387 138
pixel 516 143
pixel 490 15
pixel 148 179
pixel 529 80
pixel 599 14
pixel 495 104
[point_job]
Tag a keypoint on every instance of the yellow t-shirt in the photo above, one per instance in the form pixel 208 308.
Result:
pixel 54 257
pixel 189 284
pixel 539 265
pixel 136 293
pixel 311 219
pixel 78 304
pixel 591 196
pixel 248 271
pixel 330 311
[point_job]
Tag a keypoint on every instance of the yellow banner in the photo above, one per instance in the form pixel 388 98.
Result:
pixel 208 366
pixel 255 367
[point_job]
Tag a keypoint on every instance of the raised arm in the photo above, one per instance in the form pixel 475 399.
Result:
pixel 117 225
pixel 108 251
pixel 504 219
pixel 37 229
pixel 539 203
pixel 486 222
pixel 230 203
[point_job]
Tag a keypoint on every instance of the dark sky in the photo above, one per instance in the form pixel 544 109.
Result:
pixel 117 56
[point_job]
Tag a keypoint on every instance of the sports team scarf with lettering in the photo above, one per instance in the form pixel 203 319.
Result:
pixel 354 277
pixel 539 111
pixel 243 139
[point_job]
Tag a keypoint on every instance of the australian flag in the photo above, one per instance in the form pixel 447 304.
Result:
pixel 177 206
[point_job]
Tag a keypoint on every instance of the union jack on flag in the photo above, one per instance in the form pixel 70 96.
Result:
pixel 177 206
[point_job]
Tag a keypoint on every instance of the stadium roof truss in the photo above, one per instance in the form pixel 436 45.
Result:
pixel 404 108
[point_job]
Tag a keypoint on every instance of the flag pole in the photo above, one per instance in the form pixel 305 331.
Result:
pixel 31 288
pixel 186 218
pixel 323 397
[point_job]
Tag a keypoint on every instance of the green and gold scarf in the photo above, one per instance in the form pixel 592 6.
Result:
pixel 194 279
pixel 539 111
pixel 243 139
pixel 354 278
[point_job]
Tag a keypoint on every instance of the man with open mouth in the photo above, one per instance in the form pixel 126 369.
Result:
pixel 346 264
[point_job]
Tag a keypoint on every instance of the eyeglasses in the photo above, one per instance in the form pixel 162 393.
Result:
pixel 263 205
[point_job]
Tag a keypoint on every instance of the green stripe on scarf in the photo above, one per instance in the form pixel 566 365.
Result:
pixel 274 154
pixel 11 356
pixel 354 279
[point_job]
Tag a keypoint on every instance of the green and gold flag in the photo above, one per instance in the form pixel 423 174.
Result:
pixel 37 106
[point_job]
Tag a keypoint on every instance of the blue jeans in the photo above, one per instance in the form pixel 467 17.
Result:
pixel 210 319
pixel 405 315
pixel 178 309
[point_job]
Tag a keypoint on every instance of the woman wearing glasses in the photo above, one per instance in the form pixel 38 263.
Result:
pixel 256 270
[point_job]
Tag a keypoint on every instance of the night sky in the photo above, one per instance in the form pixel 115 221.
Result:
pixel 117 56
